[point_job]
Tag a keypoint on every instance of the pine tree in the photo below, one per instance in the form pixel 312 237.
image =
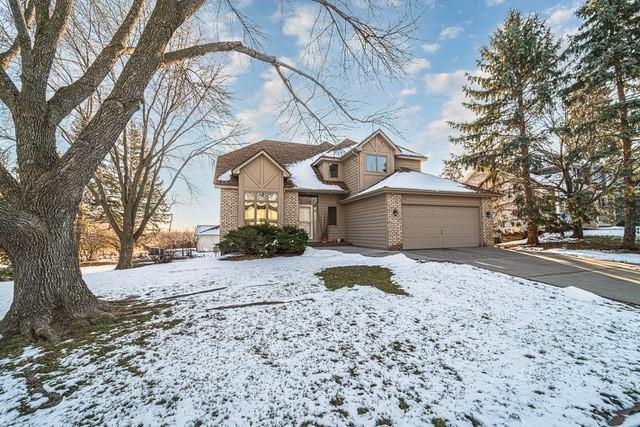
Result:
pixel 510 93
pixel 582 154
pixel 608 43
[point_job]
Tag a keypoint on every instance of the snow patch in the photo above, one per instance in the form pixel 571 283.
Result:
pixel 580 294
pixel 413 180
pixel 303 176
pixel 467 341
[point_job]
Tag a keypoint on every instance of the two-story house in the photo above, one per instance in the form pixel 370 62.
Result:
pixel 370 193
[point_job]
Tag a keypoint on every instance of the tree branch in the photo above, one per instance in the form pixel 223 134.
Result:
pixel 8 91
pixel 69 97
pixel 12 53
pixel 9 186
pixel 22 28
pixel 237 46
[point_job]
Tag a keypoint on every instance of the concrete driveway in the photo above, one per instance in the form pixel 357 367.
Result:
pixel 614 280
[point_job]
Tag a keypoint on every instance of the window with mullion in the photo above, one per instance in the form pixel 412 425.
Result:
pixel 377 164
pixel 260 207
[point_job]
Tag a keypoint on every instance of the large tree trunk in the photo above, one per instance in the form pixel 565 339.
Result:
pixel 48 288
pixel 529 204
pixel 629 187
pixel 125 256
pixel 578 231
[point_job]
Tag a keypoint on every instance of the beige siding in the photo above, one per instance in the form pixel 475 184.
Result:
pixel 323 167
pixel 367 222
pixel 352 173
pixel 411 164
pixel 412 199
pixel 326 200
pixel 378 146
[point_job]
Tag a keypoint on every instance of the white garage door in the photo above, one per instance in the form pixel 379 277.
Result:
pixel 426 227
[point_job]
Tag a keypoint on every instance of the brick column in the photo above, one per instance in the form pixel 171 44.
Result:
pixel 394 222
pixel 291 208
pixel 487 221
pixel 229 208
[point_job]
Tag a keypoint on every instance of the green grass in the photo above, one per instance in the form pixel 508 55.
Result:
pixel 361 275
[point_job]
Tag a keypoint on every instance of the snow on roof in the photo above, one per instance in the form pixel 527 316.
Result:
pixel 304 176
pixel 549 179
pixel 207 230
pixel 406 152
pixel 412 180
pixel 225 176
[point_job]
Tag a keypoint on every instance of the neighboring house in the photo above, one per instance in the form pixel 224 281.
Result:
pixel 504 207
pixel 369 193
pixel 207 237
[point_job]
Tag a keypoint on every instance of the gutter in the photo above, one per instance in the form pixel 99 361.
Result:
pixel 384 190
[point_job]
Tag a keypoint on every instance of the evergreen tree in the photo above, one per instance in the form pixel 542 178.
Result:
pixel 509 96
pixel 608 43
pixel 581 155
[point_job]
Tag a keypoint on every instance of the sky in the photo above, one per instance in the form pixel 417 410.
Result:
pixel 447 41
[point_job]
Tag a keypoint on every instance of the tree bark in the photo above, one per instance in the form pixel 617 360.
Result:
pixel 578 231
pixel 125 256
pixel 49 291
pixel 629 187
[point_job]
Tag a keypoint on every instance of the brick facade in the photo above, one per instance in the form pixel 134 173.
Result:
pixel 290 208
pixel 229 209
pixel 487 222
pixel 394 222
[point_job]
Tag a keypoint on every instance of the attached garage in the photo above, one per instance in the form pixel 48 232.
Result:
pixel 427 227
pixel 415 210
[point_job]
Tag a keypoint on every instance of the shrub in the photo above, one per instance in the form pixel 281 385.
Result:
pixel 292 240
pixel 264 240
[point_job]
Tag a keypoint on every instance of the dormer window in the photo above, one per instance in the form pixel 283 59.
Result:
pixel 333 170
pixel 377 164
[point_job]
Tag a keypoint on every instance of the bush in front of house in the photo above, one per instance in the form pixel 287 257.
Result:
pixel 264 240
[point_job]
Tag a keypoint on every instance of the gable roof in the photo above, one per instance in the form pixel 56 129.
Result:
pixel 284 153
pixel 255 156
pixel 414 181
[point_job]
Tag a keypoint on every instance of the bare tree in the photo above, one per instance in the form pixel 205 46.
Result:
pixel 183 109
pixel 38 203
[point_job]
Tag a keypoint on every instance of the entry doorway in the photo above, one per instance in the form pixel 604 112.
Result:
pixel 306 219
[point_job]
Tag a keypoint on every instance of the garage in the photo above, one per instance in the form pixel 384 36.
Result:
pixel 427 226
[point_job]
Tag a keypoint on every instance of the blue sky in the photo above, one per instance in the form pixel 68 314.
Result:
pixel 448 39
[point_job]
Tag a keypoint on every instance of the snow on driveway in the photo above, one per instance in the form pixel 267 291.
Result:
pixel 467 344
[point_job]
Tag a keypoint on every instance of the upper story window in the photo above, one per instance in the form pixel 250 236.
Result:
pixel 333 170
pixel 376 163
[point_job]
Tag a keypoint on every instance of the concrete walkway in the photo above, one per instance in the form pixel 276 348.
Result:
pixel 614 280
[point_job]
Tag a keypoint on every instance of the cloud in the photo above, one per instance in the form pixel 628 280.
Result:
pixel 445 82
pixel 408 91
pixel 493 2
pixel 562 20
pixel 417 65
pixel 434 137
pixel 262 120
pixel 300 24
pixel 450 33
pixel 431 47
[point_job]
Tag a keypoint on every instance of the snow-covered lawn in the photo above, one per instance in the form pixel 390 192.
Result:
pixel 466 345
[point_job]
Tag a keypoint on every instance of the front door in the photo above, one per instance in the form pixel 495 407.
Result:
pixel 305 219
